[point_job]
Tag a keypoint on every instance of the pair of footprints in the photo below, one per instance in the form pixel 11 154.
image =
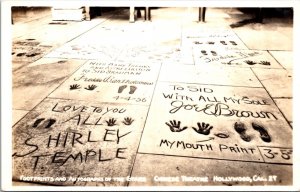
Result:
pixel 203 128
pixel 89 87
pixel 261 62
pixel 48 122
pixel 241 129
pixel 132 89
pixel 212 43
pixel 212 52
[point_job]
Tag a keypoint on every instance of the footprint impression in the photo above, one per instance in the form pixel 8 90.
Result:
pixel 241 130
pixel 39 121
pixel 132 89
pixel 264 135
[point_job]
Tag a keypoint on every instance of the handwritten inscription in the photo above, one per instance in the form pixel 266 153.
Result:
pixel 76 135
pixel 277 154
pixel 207 147
pixel 211 121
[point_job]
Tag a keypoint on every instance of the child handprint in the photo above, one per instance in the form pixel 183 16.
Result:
pixel 265 63
pixel 127 121
pixel 250 62
pixel 203 128
pixel 74 86
pixel 175 127
pixel 90 87
pixel 111 122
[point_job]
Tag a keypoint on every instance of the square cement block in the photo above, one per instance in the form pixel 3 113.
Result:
pixel 223 39
pixel 285 58
pixel 36 81
pixel 278 82
pixel 68 142
pixel 218 122
pixel 286 107
pixel 161 54
pixel 116 82
pixel 215 75
pixel 235 58
pixel 86 51
pixel 17 115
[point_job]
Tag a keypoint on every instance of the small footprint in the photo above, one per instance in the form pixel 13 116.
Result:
pixel 264 135
pixel 240 128
pixel 213 53
pixel 203 52
pixel 51 122
pixel 223 42
pixel 37 122
pixel 132 89
pixel 233 43
pixel 121 88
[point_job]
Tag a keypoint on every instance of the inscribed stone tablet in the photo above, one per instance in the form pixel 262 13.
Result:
pixel 67 142
pixel 225 39
pixel 216 75
pixel 111 82
pixel 86 51
pixel 236 58
pixel 219 122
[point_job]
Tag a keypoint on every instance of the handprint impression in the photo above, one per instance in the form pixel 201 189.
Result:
pixel 175 127
pixel 90 87
pixel 127 121
pixel 74 86
pixel 111 122
pixel 203 128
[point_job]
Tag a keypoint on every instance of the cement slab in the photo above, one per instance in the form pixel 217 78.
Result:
pixel 276 79
pixel 85 51
pixel 179 171
pixel 285 58
pixel 116 82
pixel 267 36
pixel 17 115
pixel 215 75
pixel 65 141
pixel 28 50
pixel 217 122
pixel 286 107
pixel 221 38
pixel 165 54
pixel 236 58
pixel 31 84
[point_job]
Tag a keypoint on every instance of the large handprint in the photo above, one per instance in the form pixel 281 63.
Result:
pixel 203 128
pixel 175 127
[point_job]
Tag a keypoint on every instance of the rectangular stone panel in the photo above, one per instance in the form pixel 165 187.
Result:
pixel 235 58
pixel 278 82
pixel 286 107
pixel 285 58
pixel 182 171
pixel 117 82
pixel 65 142
pixel 17 115
pixel 165 54
pixel 31 84
pixel 217 75
pixel 86 51
pixel 217 122
pixel 225 39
